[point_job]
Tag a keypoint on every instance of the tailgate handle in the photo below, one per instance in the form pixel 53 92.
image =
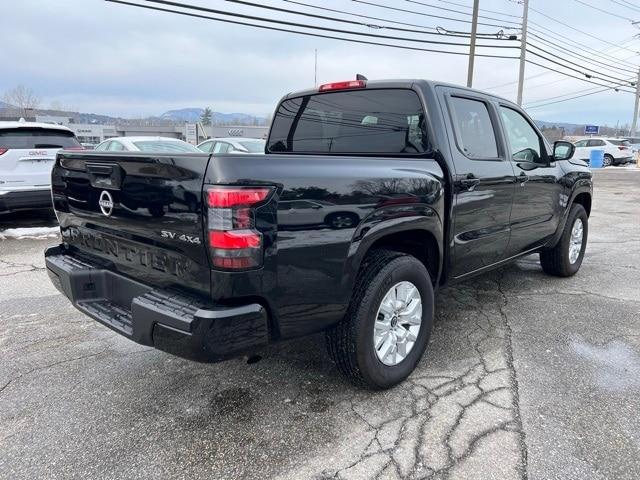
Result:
pixel 99 169
pixel 103 175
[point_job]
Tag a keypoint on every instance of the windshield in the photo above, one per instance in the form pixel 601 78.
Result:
pixel 25 138
pixel 164 146
pixel 382 121
pixel 253 146
pixel 620 142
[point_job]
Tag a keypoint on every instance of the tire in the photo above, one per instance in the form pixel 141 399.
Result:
pixel 341 220
pixel 557 261
pixel 351 342
pixel 607 161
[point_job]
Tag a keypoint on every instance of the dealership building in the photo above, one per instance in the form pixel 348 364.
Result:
pixel 92 134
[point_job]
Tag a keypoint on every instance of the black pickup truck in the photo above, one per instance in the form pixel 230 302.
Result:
pixel 370 196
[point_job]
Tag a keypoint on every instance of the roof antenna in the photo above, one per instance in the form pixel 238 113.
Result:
pixel 361 77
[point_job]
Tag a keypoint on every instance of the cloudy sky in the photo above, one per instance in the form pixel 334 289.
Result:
pixel 113 59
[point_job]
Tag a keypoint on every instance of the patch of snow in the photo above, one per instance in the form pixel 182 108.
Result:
pixel 32 232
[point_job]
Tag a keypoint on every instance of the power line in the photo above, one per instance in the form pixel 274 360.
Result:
pixel 626 5
pixel 433 16
pixel 416 2
pixel 602 11
pixel 482 9
pixel 437 30
pixel 564 60
pixel 592 89
pixel 351 22
pixel 309 34
pixel 565 74
pixel 573 28
pixel 305 25
pixel 559 37
pixel 567 99
pixel 579 55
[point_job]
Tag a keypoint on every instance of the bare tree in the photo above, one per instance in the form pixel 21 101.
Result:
pixel 22 98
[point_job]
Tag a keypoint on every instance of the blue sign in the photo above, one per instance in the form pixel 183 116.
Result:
pixel 591 129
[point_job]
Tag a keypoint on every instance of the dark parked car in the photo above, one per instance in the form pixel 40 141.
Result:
pixel 448 183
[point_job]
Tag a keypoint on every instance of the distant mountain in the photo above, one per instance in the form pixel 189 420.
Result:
pixel 566 126
pixel 194 115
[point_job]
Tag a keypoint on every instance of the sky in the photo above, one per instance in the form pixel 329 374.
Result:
pixel 106 58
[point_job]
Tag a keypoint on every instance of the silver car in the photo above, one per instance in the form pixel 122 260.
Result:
pixel 233 145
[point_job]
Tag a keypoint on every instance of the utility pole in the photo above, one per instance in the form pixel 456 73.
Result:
pixel 523 49
pixel 472 46
pixel 635 109
pixel 315 68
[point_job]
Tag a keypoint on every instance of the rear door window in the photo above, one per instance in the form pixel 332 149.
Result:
pixel 376 121
pixel 474 127
pixel 26 138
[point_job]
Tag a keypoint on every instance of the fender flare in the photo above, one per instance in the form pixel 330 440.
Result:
pixel 395 220
pixel 581 187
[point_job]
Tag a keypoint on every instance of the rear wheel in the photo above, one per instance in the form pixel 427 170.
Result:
pixel 607 160
pixel 565 259
pixel 388 323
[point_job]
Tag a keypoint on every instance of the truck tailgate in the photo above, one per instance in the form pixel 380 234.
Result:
pixel 140 212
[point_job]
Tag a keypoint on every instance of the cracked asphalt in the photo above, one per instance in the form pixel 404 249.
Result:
pixel 526 376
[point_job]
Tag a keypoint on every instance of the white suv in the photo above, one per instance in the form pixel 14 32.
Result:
pixel 617 151
pixel 27 153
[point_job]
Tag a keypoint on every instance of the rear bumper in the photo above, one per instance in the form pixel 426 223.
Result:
pixel 180 324
pixel 25 200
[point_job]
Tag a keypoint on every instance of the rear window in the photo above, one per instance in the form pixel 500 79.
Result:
pixel 165 147
pixel 383 121
pixel 26 138
pixel 620 142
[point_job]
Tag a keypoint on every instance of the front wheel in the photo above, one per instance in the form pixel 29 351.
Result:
pixel 388 323
pixel 565 259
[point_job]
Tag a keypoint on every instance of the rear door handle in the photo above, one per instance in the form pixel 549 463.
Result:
pixel 469 183
pixel 522 179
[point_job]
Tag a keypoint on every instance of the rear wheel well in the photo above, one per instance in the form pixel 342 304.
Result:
pixel 418 243
pixel 584 199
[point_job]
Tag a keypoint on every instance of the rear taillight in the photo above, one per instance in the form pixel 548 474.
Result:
pixel 3 150
pixel 621 147
pixel 234 243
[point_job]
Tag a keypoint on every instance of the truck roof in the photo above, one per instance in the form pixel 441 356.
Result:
pixel 400 83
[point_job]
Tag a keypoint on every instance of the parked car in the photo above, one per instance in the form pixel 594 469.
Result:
pixel 617 151
pixel 467 188
pixel 27 153
pixel 233 145
pixel 146 144
pixel 634 142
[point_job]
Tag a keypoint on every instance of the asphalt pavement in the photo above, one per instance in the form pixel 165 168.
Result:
pixel 526 376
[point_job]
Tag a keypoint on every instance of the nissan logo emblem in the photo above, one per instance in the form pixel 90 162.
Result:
pixel 106 203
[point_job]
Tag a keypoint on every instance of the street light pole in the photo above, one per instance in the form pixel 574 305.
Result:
pixel 523 49
pixel 472 46
pixel 634 123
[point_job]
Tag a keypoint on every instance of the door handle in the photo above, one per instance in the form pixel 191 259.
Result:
pixel 470 182
pixel 522 179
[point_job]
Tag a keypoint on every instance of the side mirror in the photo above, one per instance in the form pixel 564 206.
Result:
pixel 563 150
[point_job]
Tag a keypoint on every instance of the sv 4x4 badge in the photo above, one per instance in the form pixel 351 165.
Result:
pixel 180 236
